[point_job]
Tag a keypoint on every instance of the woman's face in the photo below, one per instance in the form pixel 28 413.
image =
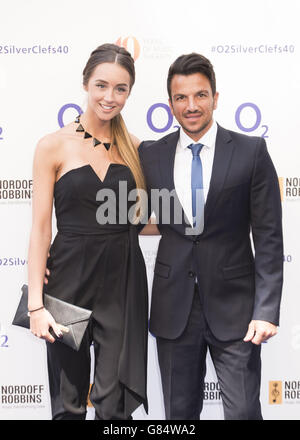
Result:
pixel 108 88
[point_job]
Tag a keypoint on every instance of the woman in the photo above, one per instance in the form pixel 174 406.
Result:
pixel 93 265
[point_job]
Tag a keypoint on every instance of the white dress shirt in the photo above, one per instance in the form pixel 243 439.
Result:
pixel 183 166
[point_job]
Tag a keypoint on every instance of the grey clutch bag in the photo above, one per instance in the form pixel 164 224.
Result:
pixel 75 318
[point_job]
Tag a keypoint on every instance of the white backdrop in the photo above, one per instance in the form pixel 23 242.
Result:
pixel 254 47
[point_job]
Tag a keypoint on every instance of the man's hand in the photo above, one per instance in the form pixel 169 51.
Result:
pixel 47 273
pixel 260 331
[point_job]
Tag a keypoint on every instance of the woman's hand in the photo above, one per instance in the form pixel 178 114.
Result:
pixel 40 323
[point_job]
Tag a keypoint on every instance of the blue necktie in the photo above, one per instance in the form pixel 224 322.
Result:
pixel 197 188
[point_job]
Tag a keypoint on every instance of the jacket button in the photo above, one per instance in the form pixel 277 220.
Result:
pixel 191 274
pixel 196 241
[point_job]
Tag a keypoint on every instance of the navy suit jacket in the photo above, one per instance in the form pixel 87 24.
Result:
pixel 236 284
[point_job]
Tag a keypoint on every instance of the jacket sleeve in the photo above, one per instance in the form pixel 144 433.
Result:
pixel 266 224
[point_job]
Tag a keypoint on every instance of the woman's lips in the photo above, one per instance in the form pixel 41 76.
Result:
pixel 107 107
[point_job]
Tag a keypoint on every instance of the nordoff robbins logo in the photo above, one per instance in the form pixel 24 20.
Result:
pixel 289 188
pixel 22 394
pixel 275 392
pixel 287 391
pixel 15 189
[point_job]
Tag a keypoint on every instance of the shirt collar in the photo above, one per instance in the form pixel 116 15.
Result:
pixel 208 139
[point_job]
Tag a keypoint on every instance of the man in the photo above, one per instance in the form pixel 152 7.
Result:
pixel 209 291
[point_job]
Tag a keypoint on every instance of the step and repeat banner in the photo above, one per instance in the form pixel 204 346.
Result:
pixel 254 47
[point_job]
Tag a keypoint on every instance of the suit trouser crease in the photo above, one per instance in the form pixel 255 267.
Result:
pixel 183 367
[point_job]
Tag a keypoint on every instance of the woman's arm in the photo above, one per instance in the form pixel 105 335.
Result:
pixel 44 173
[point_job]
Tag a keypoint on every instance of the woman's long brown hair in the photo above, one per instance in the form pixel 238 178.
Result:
pixel 111 53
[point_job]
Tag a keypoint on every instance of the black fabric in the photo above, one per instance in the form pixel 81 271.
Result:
pixel 75 318
pixel 69 376
pixel 237 284
pixel 183 367
pixel 101 267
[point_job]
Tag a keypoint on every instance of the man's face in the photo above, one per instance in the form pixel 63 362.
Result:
pixel 192 103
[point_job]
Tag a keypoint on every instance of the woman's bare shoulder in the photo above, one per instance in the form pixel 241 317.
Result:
pixel 52 142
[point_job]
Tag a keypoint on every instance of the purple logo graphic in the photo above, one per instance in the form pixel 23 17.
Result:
pixel 240 125
pixel 257 122
pixel 3 341
pixel 169 123
pixel 170 118
pixel 65 107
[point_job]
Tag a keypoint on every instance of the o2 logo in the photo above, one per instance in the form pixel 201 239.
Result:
pixel 4 341
pixel 165 107
pixel 3 338
pixel 169 115
pixel 238 113
pixel 60 116
pixel 1 131
pixel 257 122
pixel 170 119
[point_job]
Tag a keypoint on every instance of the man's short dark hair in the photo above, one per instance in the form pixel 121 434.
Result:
pixel 189 64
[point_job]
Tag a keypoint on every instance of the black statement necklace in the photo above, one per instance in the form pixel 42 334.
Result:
pixel 87 135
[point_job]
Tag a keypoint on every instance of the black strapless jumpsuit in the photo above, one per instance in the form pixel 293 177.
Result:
pixel 99 267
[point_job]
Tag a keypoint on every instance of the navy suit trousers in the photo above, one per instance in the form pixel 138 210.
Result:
pixel 183 367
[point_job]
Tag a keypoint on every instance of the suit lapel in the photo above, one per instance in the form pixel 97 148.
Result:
pixel 223 153
pixel 166 163
pixel 166 160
